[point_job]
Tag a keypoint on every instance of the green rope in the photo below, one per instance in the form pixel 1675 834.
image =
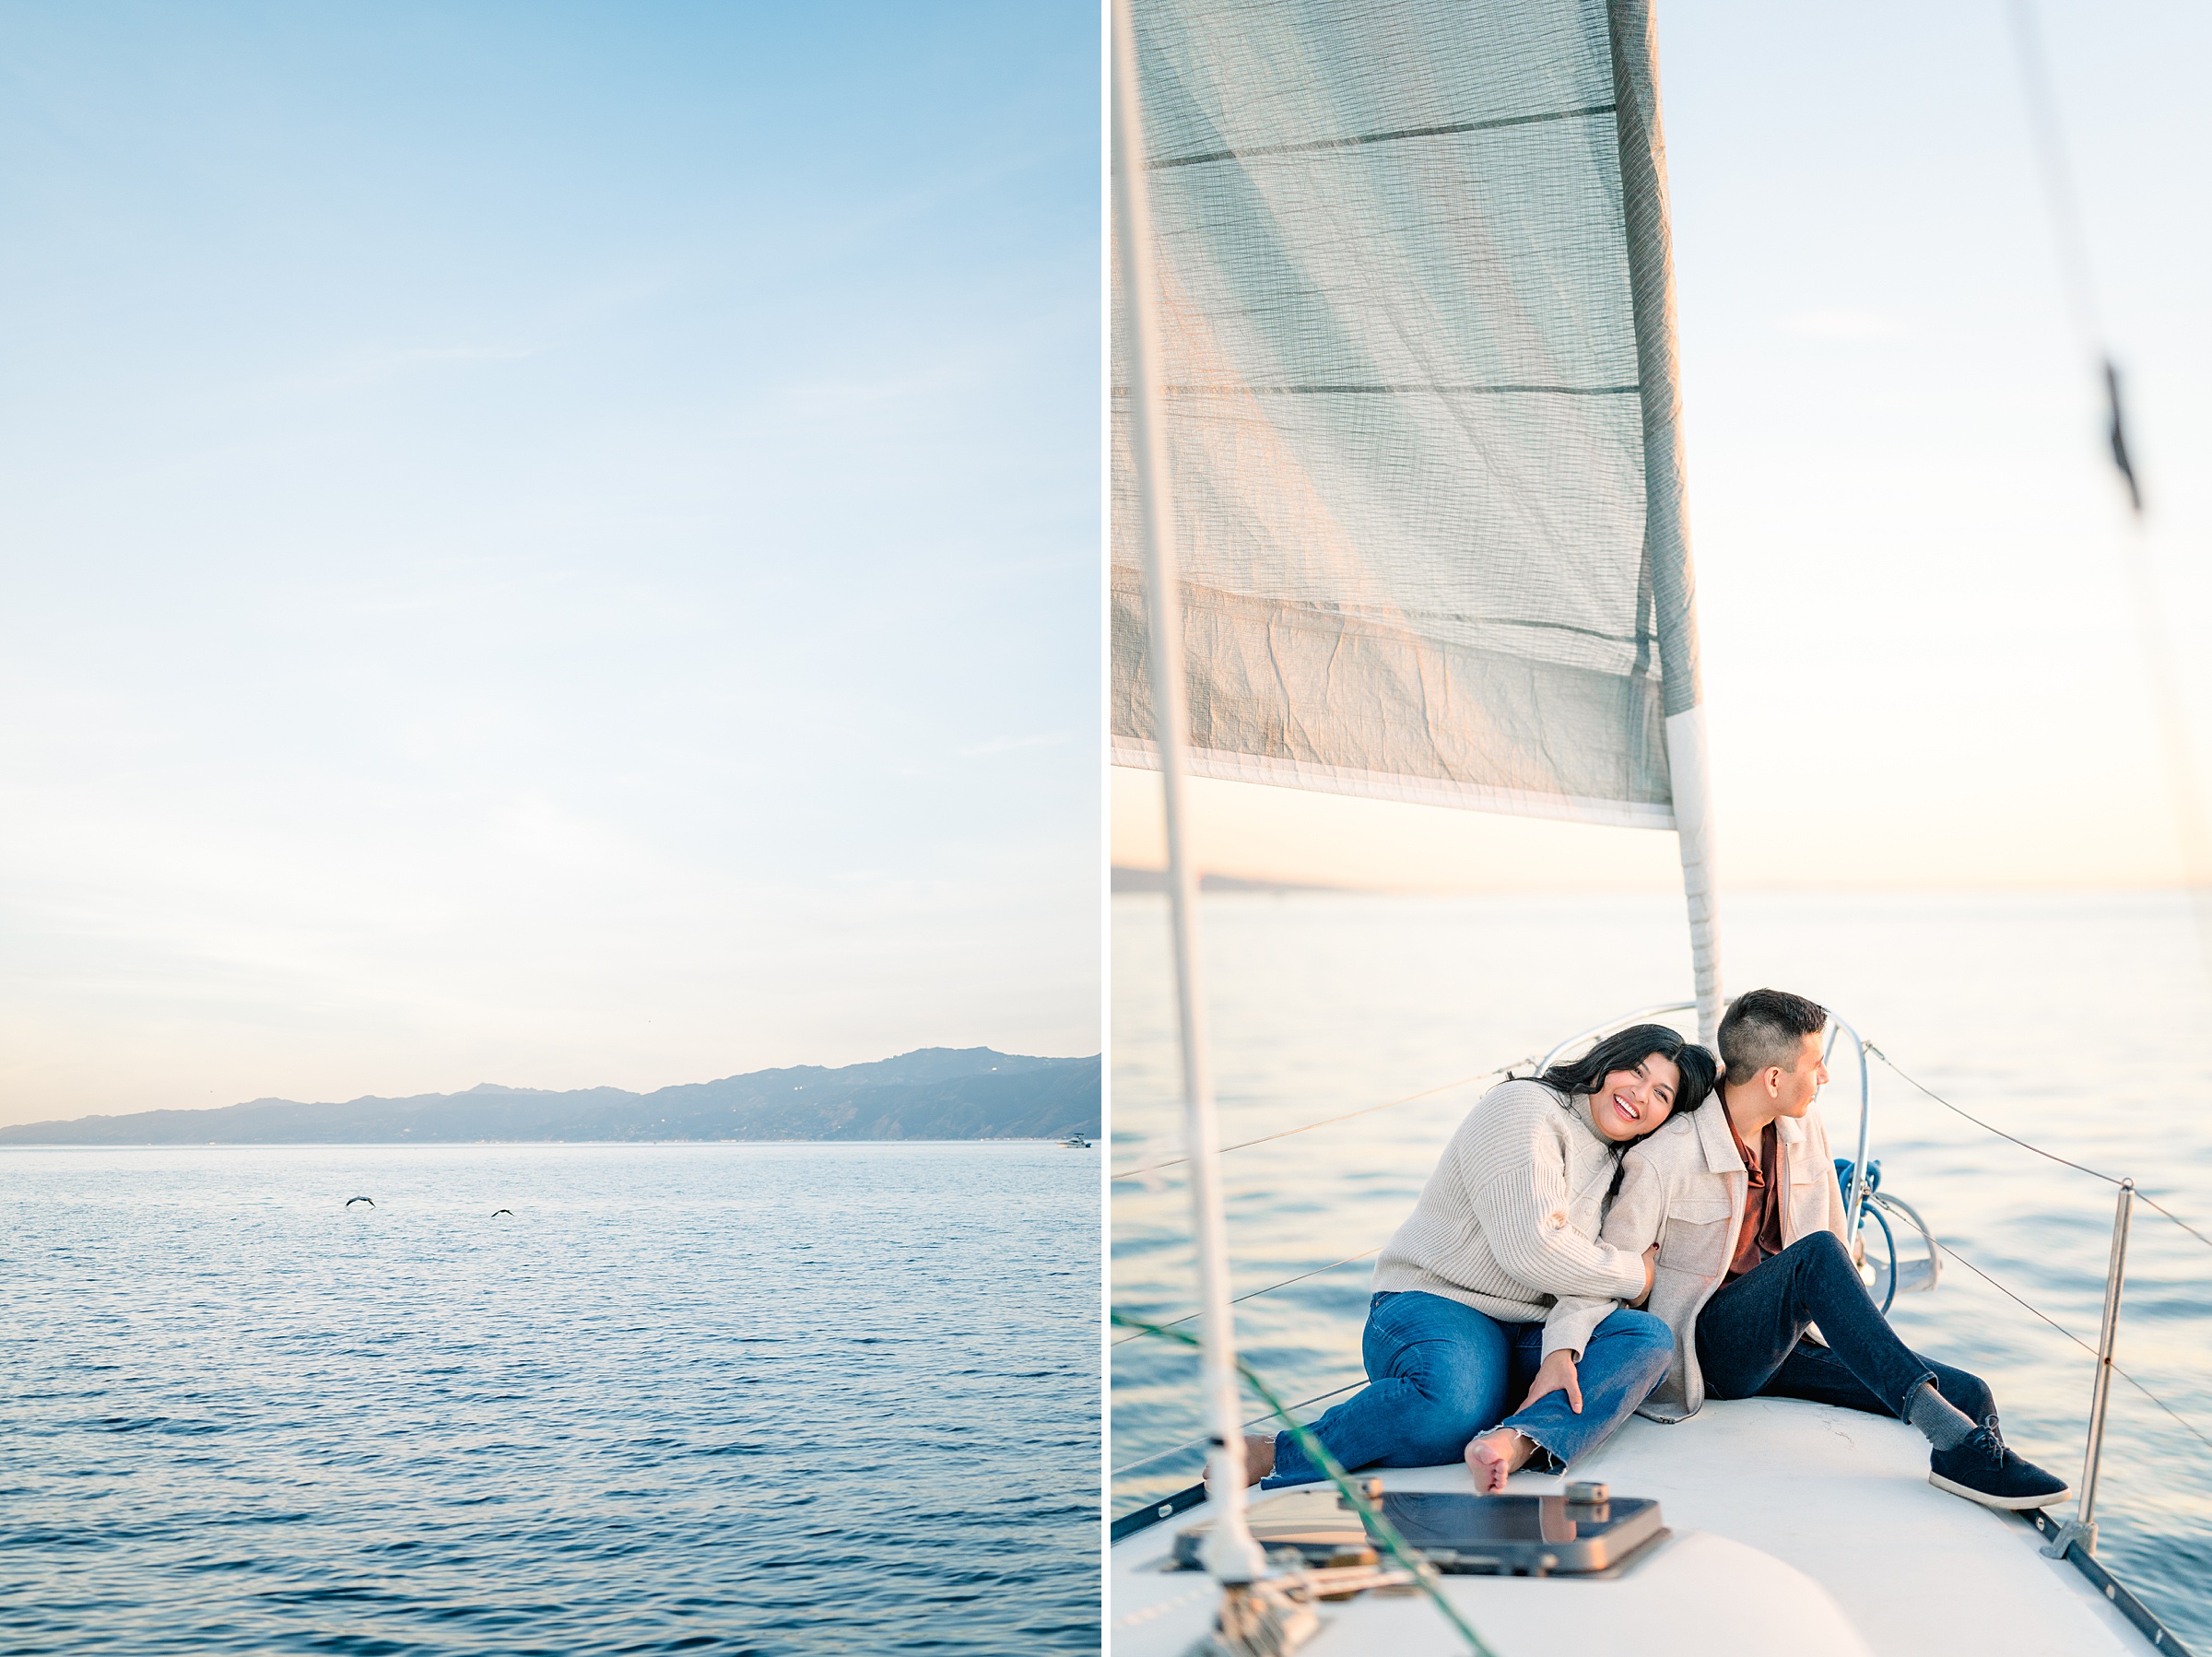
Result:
pixel 1384 1534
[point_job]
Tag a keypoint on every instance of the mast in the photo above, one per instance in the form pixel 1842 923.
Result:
pixel 1232 1554
pixel 1643 203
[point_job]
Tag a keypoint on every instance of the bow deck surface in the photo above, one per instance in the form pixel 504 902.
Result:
pixel 1813 1530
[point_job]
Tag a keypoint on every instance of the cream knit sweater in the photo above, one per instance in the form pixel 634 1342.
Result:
pixel 1508 1224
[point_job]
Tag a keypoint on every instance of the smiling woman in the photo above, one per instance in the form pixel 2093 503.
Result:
pixel 1637 1078
pixel 1497 1288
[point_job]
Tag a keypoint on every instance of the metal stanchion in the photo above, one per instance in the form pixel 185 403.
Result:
pixel 2082 1527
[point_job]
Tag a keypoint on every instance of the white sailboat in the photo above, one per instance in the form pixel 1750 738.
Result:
pixel 1399 510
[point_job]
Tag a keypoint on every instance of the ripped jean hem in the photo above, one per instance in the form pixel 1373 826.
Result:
pixel 1544 1458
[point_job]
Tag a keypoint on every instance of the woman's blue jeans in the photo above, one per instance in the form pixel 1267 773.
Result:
pixel 1440 1374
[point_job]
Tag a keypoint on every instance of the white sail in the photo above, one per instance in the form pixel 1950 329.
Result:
pixel 1404 408
pixel 1417 401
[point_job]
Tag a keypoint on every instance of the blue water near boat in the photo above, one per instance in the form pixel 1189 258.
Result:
pixel 2075 1021
pixel 772 1399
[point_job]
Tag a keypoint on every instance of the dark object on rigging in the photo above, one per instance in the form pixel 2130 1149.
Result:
pixel 2072 241
pixel 2112 392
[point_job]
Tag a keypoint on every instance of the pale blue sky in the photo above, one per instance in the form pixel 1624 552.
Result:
pixel 553 543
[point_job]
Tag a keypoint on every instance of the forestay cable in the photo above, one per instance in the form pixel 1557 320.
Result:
pixel 2192 831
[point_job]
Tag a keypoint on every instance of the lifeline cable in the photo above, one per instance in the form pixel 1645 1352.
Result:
pixel 1163 1456
pixel 2141 1196
pixel 2024 1305
pixel 2062 1329
pixel 1256 1293
pixel 1153 1168
pixel 1379 1529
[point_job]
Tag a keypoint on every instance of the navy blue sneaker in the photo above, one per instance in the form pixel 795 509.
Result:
pixel 1982 1469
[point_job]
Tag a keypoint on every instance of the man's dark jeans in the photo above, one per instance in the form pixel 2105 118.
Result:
pixel 1750 1339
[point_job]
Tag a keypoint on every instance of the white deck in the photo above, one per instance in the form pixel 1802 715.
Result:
pixel 1812 1530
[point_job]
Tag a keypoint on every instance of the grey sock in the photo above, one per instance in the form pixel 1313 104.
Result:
pixel 1940 1423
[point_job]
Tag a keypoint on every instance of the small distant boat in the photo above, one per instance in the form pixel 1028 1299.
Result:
pixel 1075 1142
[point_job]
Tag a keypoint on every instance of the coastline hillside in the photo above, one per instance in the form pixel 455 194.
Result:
pixel 932 1093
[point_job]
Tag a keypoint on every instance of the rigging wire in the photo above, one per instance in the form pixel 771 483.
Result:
pixel 1256 1420
pixel 2056 176
pixel 2066 231
pixel 2141 1196
pixel 1987 1127
pixel 1992 1282
pixel 2193 828
pixel 1322 1397
pixel 2185 1421
pixel 1256 1293
pixel 1380 1530
pixel 1153 1168
pixel 1872 1048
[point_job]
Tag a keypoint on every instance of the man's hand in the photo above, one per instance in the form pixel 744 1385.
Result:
pixel 1555 1374
pixel 1650 1271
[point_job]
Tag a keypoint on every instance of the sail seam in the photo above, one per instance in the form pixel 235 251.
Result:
pixel 1321 776
pixel 1451 130
pixel 1356 390
pixel 1195 594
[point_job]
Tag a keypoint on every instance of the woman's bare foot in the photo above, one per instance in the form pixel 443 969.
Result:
pixel 1494 1455
pixel 1259 1459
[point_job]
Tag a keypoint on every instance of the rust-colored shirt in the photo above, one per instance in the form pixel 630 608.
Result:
pixel 1761 1235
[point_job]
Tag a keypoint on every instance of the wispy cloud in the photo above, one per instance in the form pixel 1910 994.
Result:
pixel 1009 745
pixel 381 365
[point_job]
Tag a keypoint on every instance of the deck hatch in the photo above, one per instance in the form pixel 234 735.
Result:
pixel 1489 1535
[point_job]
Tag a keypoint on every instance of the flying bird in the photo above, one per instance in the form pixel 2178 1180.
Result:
pixel 497 1212
pixel 351 1201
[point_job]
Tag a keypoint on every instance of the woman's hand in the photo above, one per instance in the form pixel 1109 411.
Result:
pixel 1650 1271
pixel 1555 1374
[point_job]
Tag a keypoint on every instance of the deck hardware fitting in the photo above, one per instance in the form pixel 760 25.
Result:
pixel 2082 1528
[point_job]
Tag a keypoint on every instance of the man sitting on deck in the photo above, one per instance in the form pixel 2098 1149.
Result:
pixel 1744 1205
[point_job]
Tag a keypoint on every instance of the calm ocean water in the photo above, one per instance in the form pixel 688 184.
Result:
pixel 2083 1024
pixel 774 1399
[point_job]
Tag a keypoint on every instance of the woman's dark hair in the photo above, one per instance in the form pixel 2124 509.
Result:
pixel 1625 1050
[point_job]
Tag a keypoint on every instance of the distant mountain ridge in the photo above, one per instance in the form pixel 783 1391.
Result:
pixel 931 1093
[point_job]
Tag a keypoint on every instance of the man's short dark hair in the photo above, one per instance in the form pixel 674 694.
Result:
pixel 1767 1028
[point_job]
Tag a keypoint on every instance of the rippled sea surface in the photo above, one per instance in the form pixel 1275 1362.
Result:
pixel 764 1399
pixel 2082 1024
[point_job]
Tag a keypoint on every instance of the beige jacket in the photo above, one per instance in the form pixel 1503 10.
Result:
pixel 1684 1189
pixel 1508 1222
